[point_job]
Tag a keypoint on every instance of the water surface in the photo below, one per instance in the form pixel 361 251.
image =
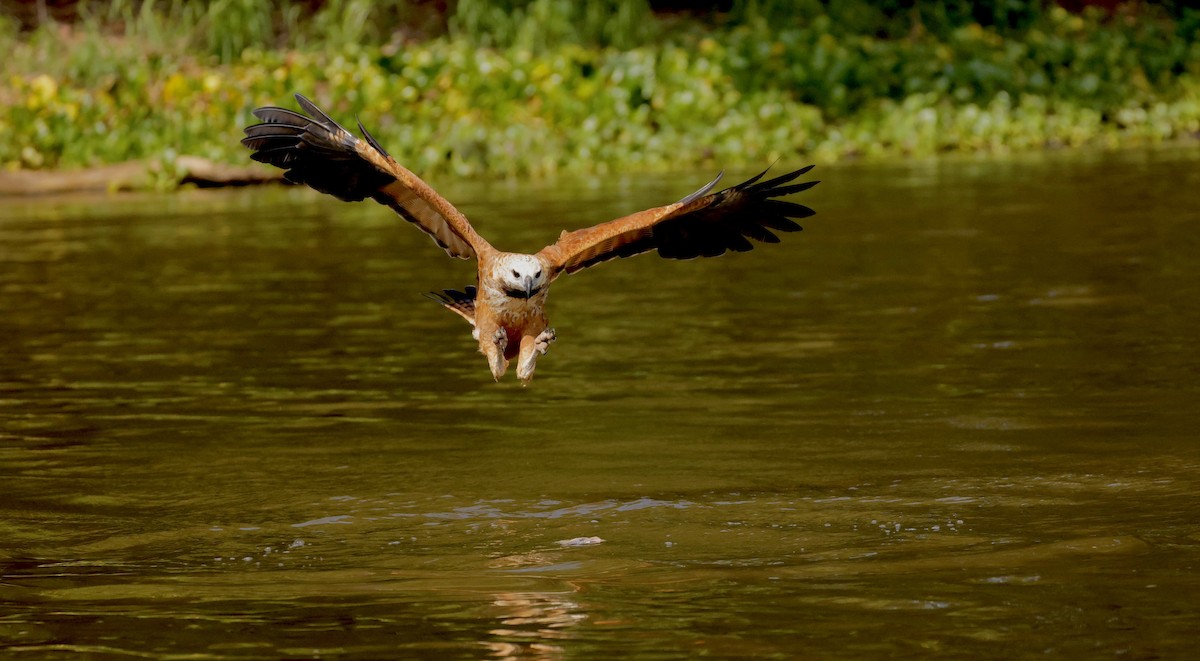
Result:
pixel 956 417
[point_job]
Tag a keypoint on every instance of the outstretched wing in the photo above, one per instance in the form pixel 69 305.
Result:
pixel 316 151
pixel 699 225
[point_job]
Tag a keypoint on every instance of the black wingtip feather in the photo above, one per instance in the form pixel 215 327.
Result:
pixel 732 218
pixel 314 150
pixel 745 185
pixel 703 189
pixel 780 191
pixel 786 209
pixel 371 139
pixel 768 187
pixel 316 113
pixel 273 128
pixel 277 115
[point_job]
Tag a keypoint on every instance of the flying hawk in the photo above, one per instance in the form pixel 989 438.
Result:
pixel 507 304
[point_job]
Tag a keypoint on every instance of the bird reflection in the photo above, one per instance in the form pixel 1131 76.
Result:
pixel 532 623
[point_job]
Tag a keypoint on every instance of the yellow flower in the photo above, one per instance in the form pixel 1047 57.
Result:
pixel 174 88
pixel 43 89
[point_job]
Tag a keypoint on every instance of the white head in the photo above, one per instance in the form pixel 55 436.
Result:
pixel 519 276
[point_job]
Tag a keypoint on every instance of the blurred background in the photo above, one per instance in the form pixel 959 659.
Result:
pixel 507 88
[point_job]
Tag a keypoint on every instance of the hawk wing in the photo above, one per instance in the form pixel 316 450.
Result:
pixel 316 151
pixel 699 225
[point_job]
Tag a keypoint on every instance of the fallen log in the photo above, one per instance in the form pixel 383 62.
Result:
pixel 133 175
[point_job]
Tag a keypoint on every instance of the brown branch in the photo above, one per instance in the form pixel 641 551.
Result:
pixel 130 175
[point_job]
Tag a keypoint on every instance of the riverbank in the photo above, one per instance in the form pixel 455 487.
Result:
pixel 749 86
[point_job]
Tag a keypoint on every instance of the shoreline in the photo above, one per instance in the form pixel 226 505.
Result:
pixel 187 172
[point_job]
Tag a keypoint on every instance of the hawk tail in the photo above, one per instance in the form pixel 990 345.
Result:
pixel 461 303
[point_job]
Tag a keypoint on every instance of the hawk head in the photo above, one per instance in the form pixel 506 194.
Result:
pixel 519 276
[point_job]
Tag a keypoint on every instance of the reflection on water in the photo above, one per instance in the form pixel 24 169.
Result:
pixel 955 417
pixel 532 621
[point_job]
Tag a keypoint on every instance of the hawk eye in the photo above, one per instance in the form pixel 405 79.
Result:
pixel 515 274
pixel 538 274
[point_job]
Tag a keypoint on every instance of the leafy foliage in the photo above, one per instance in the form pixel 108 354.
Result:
pixel 553 86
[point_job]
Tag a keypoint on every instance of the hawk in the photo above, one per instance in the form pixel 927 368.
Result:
pixel 506 306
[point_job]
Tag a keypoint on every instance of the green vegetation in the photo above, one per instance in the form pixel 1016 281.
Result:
pixel 545 86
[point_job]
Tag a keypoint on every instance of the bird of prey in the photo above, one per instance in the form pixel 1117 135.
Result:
pixel 506 306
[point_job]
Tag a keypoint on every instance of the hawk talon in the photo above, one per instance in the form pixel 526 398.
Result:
pixel 544 340
pixel 500 337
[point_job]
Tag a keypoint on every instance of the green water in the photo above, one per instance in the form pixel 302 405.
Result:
pixel 956 417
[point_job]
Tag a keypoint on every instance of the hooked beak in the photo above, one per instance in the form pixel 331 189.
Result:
pixel 529 286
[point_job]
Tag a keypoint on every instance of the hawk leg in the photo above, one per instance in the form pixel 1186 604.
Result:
pixel 494 351
pixel 531 348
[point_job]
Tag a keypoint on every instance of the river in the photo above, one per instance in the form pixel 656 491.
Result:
pixel 955 417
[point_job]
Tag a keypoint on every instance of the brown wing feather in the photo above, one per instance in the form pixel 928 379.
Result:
pixel 318 152
pixel 699 225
